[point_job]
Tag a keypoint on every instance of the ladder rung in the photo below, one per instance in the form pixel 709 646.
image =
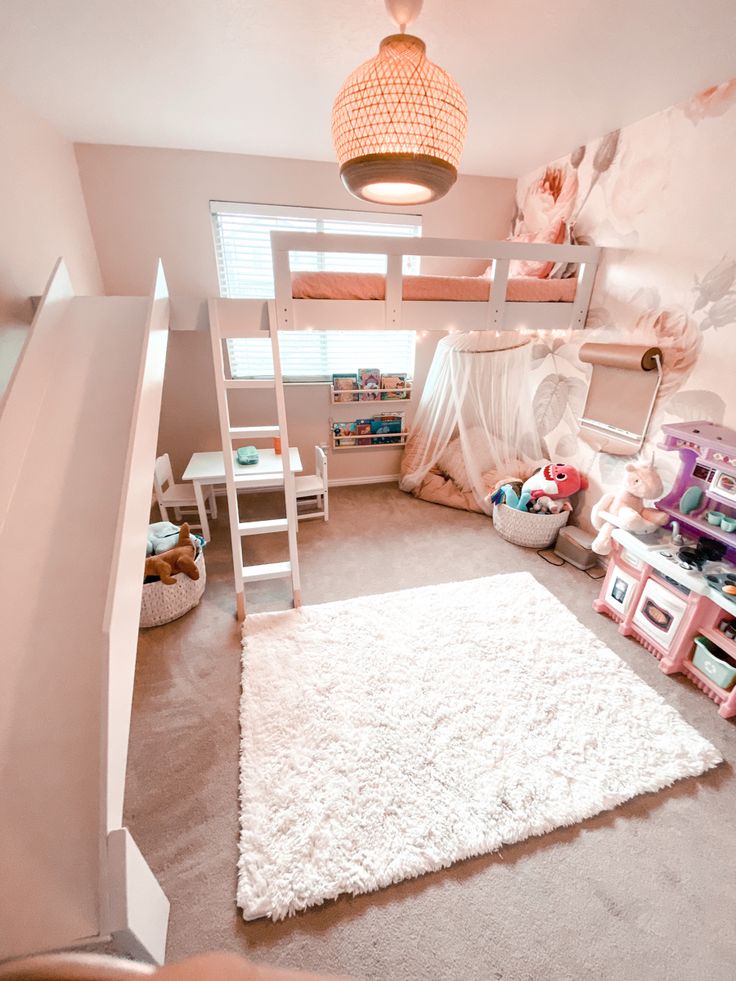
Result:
pixel 254 432
pixel 250 383
pixel 270 570
pixel 263 527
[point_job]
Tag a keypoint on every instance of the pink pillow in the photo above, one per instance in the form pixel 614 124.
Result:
pixel 555 235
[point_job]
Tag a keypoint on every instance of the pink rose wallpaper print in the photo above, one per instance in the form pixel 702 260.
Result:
pixel 659 196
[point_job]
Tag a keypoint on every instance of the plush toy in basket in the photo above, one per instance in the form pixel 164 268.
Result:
pixel 174 580
pixel 531 514
pixel 180 558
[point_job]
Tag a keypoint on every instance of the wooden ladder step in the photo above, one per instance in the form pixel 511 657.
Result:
pixel 254 432
pixel 269 570
pixel 268 527
pixel 250 383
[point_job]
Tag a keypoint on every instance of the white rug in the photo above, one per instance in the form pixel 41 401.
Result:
pixel 388 736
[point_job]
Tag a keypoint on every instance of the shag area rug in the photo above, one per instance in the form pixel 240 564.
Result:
pixel 388 736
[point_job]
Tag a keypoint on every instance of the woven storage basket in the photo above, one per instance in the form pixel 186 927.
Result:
pixel 527 528
pixel 162 603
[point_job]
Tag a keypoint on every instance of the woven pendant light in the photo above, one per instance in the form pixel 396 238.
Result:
pixel 399 122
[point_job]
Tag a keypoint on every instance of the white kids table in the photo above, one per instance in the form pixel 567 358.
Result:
pixel 208 470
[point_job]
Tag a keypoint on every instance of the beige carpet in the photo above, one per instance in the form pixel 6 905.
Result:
pixel 643 892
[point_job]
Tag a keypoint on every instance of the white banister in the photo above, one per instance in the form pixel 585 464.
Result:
pixel 77 443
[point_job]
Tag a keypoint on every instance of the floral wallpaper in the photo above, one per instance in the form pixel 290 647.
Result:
pixel 660 197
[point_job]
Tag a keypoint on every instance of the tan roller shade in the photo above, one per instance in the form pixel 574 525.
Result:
pixel 621 394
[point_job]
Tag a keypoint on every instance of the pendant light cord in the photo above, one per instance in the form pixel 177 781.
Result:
pixel 403 12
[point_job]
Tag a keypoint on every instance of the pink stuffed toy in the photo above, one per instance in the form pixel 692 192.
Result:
pixel 555 480
pixel 641 482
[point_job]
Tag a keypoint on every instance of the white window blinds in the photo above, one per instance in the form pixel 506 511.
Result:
pixel 243 243
pixel 243 249
pixel 314 355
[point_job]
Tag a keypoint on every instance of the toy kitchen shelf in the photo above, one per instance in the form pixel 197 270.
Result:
pixel 708 469
pixel 655 595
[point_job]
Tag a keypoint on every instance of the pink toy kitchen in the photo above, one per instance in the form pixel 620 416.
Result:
pixel 674 589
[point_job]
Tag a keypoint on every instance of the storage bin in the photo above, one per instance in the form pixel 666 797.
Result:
pixel 574 546
pixel 162 604
pixel 714 663
pixel 526 527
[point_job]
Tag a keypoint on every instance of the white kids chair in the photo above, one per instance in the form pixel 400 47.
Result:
pixel 315 485
pixel 178 497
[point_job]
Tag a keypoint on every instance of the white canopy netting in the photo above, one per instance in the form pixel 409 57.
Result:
pixel 474 425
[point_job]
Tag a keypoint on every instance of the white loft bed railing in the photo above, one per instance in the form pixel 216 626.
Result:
pixel 78 430
pixel 395 313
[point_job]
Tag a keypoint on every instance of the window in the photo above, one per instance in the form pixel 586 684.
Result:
pixel 313 355
pixel 243 250
pixel 243 243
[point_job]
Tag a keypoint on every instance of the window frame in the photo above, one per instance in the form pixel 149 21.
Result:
pixel 318 215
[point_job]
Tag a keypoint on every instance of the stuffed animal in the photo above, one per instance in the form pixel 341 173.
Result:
pixel 545 505
pixel 163 535
pixel 553 481
pixel 641 482
pixel 177 559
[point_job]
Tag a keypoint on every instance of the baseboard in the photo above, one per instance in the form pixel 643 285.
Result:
pixel 355 481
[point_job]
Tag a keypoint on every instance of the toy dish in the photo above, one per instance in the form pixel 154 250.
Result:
pixel 725 582
pixel 691 499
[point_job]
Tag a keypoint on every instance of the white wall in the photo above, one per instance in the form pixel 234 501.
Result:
pixel 42 216
pixel 144 203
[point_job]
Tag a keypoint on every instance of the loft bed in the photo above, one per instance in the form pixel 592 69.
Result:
pixel 494 301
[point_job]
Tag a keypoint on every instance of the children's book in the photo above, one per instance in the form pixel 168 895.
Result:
pixel 369 379
pixel 343 431
pixel 363 427
pixel 393 387
pixel 383 427
pixel 345 386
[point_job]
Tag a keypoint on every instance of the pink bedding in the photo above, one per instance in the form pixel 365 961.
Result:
pixel 371 286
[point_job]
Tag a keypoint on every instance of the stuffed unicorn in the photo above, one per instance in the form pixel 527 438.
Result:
pixel 641 482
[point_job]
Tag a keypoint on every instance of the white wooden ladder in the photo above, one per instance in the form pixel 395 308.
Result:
pixel 225 324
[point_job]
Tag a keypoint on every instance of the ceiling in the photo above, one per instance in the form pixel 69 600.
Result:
pixel 260 77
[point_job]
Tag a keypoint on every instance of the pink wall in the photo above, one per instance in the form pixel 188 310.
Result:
pixel 43 216
pixel 658 195
pixel 144 203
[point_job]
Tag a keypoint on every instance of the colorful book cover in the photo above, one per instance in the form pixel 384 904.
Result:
pixel 343 433
pixel 384 427
pixel 396 385
pixel 370 380
pixel 363 427
pixel 344 386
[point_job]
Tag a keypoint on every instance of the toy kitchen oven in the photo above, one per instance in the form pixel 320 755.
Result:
pixel 677 586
